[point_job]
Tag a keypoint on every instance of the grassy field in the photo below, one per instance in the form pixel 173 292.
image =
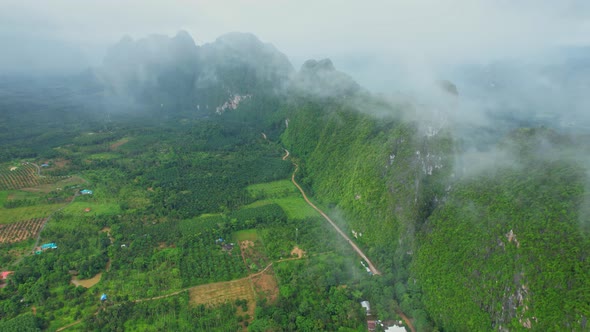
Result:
pixel 8 216
pixel 78 208
pixel 296 207
pixel 283 193
pixel 3 196
pixel 17 194
pixel 273 189
pixel 103 156
pixel 248 234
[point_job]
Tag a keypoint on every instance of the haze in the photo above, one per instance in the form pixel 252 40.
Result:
pixel 427 32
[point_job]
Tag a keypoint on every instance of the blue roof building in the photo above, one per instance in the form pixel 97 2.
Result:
pixel 86 192
pixel 103 297
pixel 48 246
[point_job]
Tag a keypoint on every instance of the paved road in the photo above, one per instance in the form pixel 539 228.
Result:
pixel 352 244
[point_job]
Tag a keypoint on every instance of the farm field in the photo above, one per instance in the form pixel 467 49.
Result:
pixel 283 193
pixel 22 176
pixel 20 231
pixel 222 292
pixel 273 189
pixel 59 183
pixel 295 207
pixel 262 285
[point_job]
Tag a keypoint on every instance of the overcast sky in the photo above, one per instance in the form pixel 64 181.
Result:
pixel 423 31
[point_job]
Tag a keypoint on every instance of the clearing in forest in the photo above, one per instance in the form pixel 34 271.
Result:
pixel 265 285
pixel 96 208
pixel 297 252
pixel 248 234
pixel 118 143
pixel 222 292
pixel 87 283
pixel 252 250
pixel 259 285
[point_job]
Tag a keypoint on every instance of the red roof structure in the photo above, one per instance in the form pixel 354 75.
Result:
pixel 5 274
pixel 372 325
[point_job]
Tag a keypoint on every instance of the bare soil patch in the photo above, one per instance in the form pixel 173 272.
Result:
pixel 118 143
pixel 87 283
pixel 60 163
pixel 266 286
pixel 108 231
pixel 297 252
pixel 164 245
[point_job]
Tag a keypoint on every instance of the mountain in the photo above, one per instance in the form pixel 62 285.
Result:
pixel 176 74
pixel 321 79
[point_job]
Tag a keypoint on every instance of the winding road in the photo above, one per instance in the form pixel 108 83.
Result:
pixel 352 244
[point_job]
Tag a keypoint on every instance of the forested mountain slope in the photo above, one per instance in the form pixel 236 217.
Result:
pixel 499 247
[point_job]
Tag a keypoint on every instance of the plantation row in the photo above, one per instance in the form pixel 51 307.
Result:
pixel 20 231
pixel 21 177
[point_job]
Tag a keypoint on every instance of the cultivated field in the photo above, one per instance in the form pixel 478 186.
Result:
pixel 283 193
pixel 21 176
pixel 221 292
pixel 296 207
pixel 273 189
pixel 20 231
pixel 55 183
pixel 12 215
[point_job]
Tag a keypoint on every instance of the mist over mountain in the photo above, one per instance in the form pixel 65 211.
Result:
pixel 176 73
pixel 468 186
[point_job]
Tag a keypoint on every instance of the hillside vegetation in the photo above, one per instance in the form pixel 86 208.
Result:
pixel 504 248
